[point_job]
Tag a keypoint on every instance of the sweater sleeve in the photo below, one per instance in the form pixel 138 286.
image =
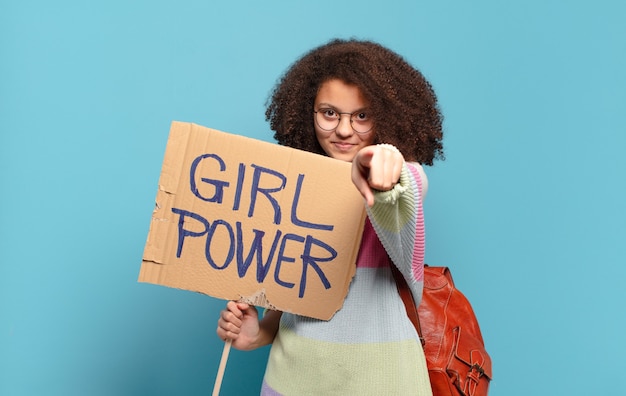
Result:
pixel 398 220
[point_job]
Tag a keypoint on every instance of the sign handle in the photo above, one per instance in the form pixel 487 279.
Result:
pixel 222 368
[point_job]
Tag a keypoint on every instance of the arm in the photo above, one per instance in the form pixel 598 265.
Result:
pixel 393 190
pixel 240 323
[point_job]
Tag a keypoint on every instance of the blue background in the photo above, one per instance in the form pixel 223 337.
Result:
pixel 528 208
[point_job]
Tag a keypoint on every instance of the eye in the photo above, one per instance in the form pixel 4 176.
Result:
pixel 329 113
pixel 360 116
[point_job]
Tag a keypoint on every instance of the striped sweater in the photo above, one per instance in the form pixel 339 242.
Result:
pixel 369 347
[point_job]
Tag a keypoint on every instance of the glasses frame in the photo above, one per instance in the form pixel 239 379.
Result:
pixel 339 120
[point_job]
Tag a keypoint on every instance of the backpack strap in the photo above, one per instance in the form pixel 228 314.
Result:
pixel 407 298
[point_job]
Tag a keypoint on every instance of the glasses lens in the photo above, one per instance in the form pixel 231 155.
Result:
pixel 327 119
pixel 361 123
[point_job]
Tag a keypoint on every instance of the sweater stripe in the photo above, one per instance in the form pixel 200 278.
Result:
pixel 420 240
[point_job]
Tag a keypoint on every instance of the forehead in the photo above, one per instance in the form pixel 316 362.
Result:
pixel 345 97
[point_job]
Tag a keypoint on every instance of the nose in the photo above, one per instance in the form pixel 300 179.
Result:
pixel 344 129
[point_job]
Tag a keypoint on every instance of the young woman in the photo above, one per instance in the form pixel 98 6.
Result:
pixel 355 101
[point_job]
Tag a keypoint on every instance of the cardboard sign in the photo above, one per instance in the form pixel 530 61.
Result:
pixel 241 219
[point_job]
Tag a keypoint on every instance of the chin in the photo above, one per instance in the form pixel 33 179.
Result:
pixel 340 155
pixel 343 157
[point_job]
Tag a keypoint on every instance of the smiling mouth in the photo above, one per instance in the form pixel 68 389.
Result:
pixel 343 146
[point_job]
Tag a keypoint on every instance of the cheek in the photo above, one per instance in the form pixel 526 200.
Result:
pixel 369 139
pixel 322 141
pixel 318 136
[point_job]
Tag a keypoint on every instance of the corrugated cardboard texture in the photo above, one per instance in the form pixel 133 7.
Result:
pixel 241 219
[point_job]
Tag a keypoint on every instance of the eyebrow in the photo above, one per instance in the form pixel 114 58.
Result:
pixel 328 105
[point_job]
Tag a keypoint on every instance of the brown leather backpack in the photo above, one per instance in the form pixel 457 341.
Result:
pixel 458 364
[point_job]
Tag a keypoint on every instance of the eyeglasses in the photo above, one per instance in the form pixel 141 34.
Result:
pixel 328 120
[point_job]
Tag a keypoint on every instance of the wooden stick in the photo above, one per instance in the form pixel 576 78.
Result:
pixel 220 371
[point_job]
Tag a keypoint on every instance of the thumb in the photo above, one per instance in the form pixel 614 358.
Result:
pixel 248 310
